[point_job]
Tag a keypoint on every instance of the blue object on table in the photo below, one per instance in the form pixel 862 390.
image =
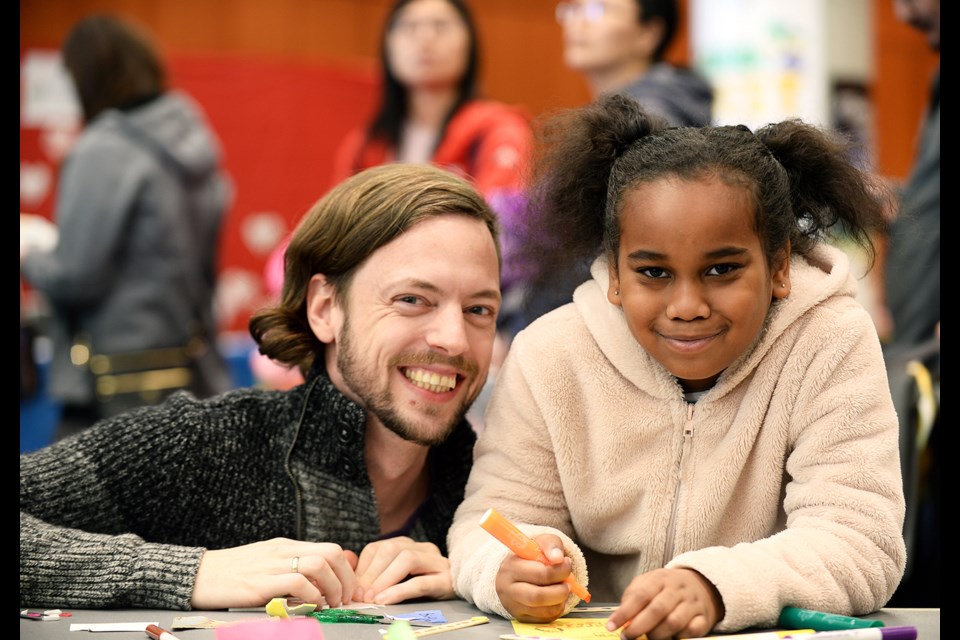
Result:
pixel 434 616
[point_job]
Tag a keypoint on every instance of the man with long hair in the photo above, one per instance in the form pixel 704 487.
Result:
pixel 339 489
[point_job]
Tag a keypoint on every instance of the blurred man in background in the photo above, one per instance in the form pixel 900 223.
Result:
pixel 618 45
pixel 910 323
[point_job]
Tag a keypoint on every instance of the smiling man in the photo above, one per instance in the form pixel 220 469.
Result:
pixel 340 489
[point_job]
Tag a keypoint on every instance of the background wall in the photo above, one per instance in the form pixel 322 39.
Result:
pixel 283 81
pixel 521 47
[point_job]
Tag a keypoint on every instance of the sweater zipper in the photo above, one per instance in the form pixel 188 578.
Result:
pixel 288 467
pixel 672 526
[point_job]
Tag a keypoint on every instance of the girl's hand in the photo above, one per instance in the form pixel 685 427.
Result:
pixel 251 575
pixel 666 603
pixel 532 591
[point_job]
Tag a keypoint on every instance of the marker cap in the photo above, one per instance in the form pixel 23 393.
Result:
pixel 899 633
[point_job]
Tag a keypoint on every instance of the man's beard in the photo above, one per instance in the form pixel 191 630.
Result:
pixel 380 403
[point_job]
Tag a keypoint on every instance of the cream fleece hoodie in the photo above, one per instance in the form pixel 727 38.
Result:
pixel 781 484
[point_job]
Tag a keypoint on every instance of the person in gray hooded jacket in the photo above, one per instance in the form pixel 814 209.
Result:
pixel 140 204
pixel 619 47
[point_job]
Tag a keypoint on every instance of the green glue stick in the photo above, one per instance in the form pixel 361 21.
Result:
pixel 797 618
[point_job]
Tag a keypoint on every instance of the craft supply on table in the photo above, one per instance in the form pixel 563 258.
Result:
pixel 45 615
pixel 299 628
pixel 157 633
pixel 441 628
pixel 798 618
pixel 863 633
pixel 284 608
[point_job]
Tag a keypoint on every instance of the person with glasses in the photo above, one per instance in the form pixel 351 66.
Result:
pixel 618 46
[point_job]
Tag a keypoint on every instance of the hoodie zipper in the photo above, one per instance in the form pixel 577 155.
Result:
pixel 672 525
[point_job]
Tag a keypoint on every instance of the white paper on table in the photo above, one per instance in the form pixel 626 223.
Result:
pixel 112 626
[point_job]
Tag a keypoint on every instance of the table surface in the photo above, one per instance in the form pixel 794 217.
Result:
pixel 927 622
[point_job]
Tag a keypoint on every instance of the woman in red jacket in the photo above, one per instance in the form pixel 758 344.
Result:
pixel 431 112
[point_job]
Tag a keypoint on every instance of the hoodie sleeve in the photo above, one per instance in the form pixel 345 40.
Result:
pixel 515 472
pixel 842 550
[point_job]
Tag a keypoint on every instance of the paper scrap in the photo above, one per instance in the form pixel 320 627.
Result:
pixel 580 628
pixel 112 626
pixel 49 614
pixel 196 622
pixel 434 616
pixel 282 608
pixel 400 630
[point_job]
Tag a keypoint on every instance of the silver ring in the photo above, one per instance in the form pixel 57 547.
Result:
pixel 295 564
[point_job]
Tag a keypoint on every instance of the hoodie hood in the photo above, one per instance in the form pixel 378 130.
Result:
pixel 681 96
pixel 174 127
pixel 825 274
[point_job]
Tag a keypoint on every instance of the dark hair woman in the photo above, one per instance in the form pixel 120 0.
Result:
pixel 430 110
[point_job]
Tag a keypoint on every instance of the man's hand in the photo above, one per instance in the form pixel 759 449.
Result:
pixel 532 591
pixel 666 603
pixel 251 575
pixel 398 569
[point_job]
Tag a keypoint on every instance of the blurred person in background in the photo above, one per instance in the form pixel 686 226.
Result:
pixel 140 204
pixel 912 260
pixel 909 320
pixel 618 46
pixel 431 112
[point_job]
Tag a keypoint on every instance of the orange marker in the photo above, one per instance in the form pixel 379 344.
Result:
pixel 524 546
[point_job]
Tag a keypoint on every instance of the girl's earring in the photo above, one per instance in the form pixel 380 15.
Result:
pixel 616 292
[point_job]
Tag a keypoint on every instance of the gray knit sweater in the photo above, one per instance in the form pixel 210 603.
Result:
pixel 120 515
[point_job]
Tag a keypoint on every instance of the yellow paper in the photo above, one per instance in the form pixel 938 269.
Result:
pixel 586 628
pixel 277 608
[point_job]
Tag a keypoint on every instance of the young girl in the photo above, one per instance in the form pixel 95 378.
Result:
pixel 708 425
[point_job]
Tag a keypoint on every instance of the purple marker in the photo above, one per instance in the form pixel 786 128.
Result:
pixel 872 633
